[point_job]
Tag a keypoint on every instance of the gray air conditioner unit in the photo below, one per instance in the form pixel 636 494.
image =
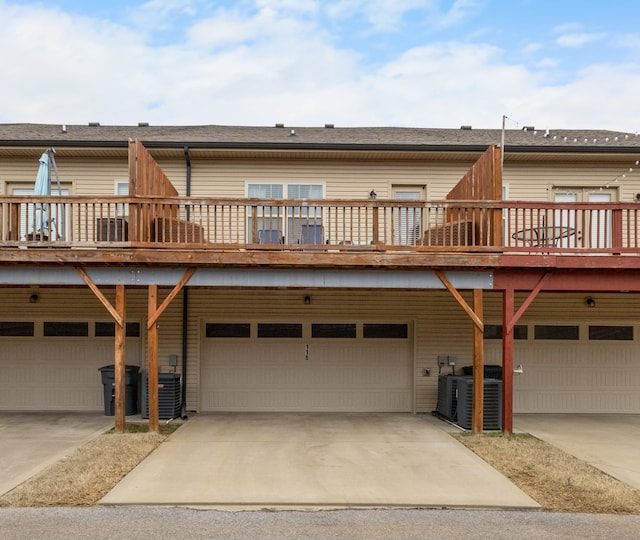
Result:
pixel 168 396
pixel 447 401
pixel 492 417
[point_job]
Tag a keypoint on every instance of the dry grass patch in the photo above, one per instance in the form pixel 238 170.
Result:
pixel 89 473
pixel 556 480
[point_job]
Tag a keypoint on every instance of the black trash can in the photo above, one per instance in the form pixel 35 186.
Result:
pixel 130 385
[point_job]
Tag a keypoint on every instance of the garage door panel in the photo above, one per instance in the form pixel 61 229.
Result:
pixel 299 400
pixel 53 374
pixel 276 375
pixel 577 378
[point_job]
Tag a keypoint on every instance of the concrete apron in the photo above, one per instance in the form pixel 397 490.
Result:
pixel 30 442
pixel 317 460
pixel 609 442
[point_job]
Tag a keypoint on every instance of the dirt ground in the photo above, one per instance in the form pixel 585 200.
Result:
pixel 88 474
pixel 556 480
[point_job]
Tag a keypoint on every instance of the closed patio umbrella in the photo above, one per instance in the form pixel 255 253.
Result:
pixel 39 228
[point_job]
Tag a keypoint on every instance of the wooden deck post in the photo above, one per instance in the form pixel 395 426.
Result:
pixel 508 304
pixel 477 420
pixel 152 360
pixel 476 315
pixel 119 316
pixel 153 314
pixel 120 360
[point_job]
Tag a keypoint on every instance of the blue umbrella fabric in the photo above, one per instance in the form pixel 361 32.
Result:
pixel 42 188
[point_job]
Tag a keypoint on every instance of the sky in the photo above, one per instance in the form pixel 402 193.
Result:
pixel 555 64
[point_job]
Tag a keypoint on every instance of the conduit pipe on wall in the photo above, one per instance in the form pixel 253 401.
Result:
pixel 185 301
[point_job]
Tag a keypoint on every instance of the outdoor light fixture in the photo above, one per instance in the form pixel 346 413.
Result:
pixel 307 300
pixel 34 298
pixel 373 194
pixel 590 302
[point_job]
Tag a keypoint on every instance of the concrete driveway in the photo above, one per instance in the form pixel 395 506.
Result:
pixel 609 442
pixel 323 460
pixel 29 442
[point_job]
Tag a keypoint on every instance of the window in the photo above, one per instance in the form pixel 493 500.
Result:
pixel 333 330
pixel 304 225
pixel 16 329
pixel 548 331
pixel 385 331
pixel 41 221
pixel 611 333
pixel 279 330
pixel 494 331
pixel 108 329
pixel 407 221
pixel 66 329
pixel 274 224
pixel 122 190
pixel 228 330
pixel 589 228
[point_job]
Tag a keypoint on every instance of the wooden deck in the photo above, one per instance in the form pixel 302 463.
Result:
pixel 151 230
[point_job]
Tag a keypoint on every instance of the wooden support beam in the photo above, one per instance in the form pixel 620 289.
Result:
pixel 477 420
pixel 508 302
pixel 174 292
pixel 509 320
pixel 103 299
pixel 454 292
pixel 119 314
pixel 513 319
pixel 152 360
pixel 153 314
pixel 476 315
pixel 120 360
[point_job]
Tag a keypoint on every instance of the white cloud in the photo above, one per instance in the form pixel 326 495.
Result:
pixel 386 15
pixel 532 47
pixel 578 39
pixel 382 15
pixel 260 67
pixel 290 6
pixel 547 63
pixel 157 15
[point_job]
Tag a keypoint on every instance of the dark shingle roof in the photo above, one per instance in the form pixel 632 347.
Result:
pixel 213 136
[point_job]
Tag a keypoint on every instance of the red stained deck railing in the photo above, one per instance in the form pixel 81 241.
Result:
pixel 336 225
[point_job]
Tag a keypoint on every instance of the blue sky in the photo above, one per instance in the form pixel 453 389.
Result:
pixel 425 63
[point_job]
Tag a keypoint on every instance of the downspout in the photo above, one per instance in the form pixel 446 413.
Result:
pixel 185 302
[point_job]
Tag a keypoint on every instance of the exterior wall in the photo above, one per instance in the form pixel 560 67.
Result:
pixel 342 179
pixel 525 180
pixel 87 176
pixel 534 180
pixel 439 325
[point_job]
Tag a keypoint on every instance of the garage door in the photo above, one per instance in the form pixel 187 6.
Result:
pixel 337 367
pixel 577 369
pixel 55 372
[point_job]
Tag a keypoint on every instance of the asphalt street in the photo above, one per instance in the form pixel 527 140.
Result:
pixel 141 522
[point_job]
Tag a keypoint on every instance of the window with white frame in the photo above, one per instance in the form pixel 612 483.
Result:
pixel 122 190
pixel 43 221
pixel 302 225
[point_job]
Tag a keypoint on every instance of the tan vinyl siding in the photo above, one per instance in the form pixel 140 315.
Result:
pixel 439 325
pixel 342 180
pixel 534 181
pixel 526 180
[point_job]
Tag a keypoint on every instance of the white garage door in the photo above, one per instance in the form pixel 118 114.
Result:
pixel 596 372
pixel 336 367
pixel 53 373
